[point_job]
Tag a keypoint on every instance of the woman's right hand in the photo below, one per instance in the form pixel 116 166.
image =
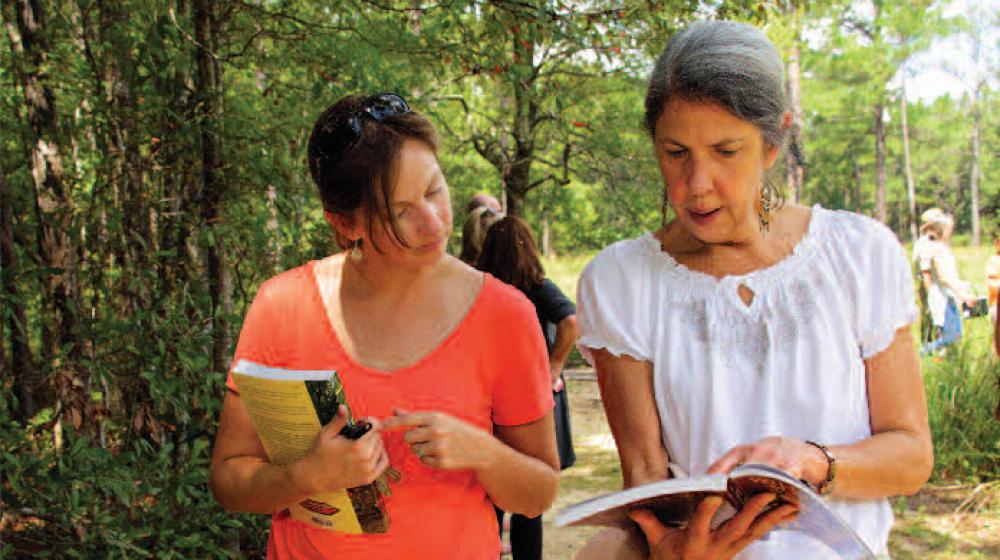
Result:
pixel 335 462
pixel 699 541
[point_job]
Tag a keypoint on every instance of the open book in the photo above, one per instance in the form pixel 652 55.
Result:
pixel 288 408
pixel 674 501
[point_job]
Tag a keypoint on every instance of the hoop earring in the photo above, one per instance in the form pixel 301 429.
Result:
pixel 355 253
pixel 765 206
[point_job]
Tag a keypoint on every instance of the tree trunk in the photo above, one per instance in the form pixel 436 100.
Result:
pixel 974 172
pixel 517 174
pixel 124 134
pixel 22 364
pixel 54 213
pixel 546 235
pixel 880 180
pixel 910 188
pixel 858 206
pixel 212 187
pixel 793 169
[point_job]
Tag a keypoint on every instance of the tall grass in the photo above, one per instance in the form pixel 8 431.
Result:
pixel 962 395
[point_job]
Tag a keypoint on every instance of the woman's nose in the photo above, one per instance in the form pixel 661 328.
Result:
pixel 699 178
pixel 431 223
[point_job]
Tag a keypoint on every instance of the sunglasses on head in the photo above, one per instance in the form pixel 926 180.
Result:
pixel 341 134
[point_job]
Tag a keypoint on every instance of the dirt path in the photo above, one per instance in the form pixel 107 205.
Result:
pixel 941 522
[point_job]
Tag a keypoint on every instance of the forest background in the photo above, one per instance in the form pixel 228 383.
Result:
pixel 152 175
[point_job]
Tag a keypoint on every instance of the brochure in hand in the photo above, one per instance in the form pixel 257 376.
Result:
pixel 674 501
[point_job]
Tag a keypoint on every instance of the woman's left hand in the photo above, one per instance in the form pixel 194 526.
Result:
pixel 441 440
pixel 796 457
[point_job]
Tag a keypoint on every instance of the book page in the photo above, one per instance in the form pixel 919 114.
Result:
pixel 815 518
pixel 672 500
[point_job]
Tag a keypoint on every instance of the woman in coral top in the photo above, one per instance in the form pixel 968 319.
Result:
pixel 443 360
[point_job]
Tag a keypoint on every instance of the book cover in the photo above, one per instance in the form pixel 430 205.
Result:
pixel 288 408
pixel 674 501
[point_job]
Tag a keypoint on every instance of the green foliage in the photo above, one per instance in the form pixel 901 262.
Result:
pixel 133 371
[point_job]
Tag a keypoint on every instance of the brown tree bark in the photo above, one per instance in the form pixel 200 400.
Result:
pixel 794 172
pixel 23 372
pixel 124 139
pixel 974 172
pixel 910 187
pixel 880 178
pixel 858 206
pixel 54 212
pixel 207 86
pixel 514 160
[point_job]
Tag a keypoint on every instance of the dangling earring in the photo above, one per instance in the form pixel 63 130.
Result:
pixel 765 206
pixel 355 253
pixel 663 209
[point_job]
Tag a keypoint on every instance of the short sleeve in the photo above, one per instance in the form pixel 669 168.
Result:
pixel 884 297
pixel 551 303
pixel 611 314
pixel 278 302
pixel 522 391
pixel 253 342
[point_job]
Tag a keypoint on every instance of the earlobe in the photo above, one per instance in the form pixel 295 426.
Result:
pixel 771 156
pixel 343 226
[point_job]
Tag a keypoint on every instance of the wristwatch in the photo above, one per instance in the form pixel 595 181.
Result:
pixel 825 487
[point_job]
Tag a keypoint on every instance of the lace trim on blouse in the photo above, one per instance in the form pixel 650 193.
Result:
pixel 783 303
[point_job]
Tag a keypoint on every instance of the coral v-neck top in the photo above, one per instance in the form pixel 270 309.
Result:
pixel 491 369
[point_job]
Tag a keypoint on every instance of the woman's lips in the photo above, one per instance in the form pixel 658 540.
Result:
pixel 703 217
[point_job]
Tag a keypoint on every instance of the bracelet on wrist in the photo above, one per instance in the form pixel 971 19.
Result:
pixel 826 486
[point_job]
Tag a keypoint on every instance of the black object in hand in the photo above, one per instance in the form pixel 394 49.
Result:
pixel 979 309
pixel 355 430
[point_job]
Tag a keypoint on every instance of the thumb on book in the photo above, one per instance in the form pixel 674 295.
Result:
pixel 334 426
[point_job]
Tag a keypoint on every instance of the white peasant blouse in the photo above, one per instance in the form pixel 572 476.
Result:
pixel 790 363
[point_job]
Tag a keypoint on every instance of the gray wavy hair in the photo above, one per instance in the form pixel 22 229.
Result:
pixel 732 64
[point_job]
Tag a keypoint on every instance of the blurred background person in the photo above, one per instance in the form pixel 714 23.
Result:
pixel 483 199
pixel 477 222
pixel 993 276
pixel 946 290
pixel 509 254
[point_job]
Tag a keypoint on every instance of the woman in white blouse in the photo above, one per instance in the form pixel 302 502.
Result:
pixel 746 330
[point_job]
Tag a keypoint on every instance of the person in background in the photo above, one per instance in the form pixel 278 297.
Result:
pixel 477 223
pixel 483 199
pixel 946 290
pixel 747 330
pixel 993 276
pixel 441 358
pixel 509 254
pixel 932 303
pixel 993 285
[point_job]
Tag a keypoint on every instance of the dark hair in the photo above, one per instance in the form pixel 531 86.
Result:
pixel 509 254
pixel 364 174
